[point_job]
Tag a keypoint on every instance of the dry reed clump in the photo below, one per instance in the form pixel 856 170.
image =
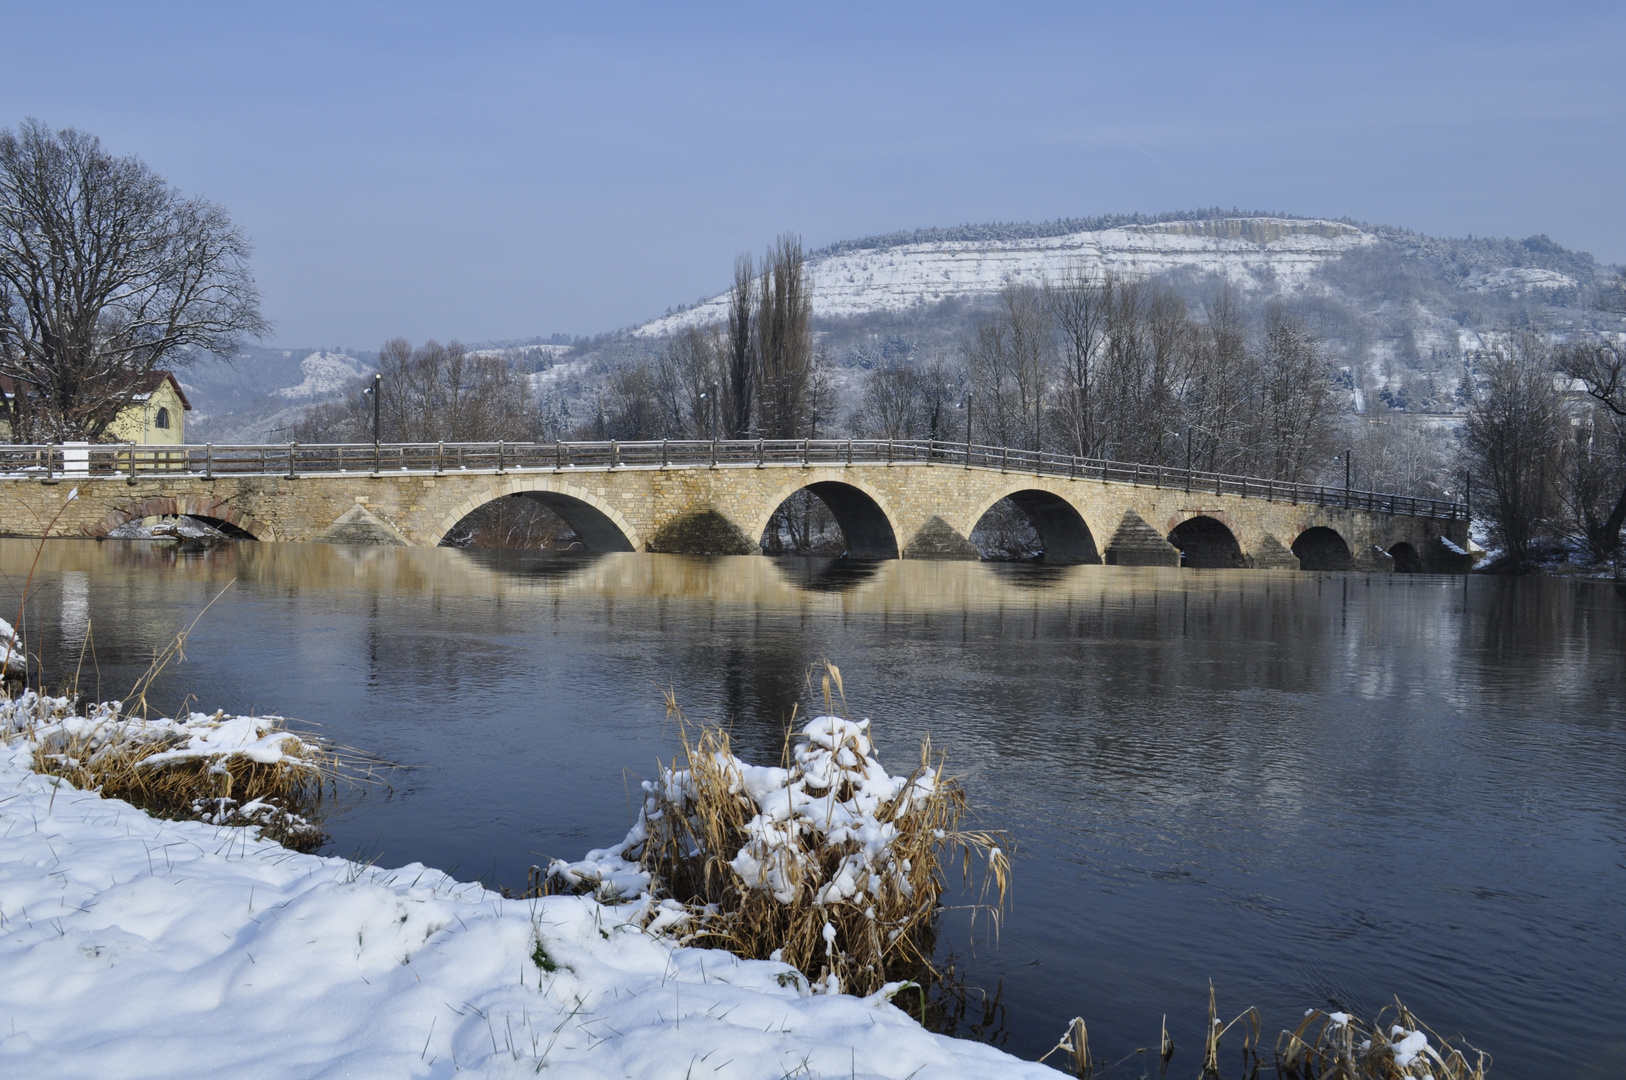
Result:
pixel 827 863
pixel 226 770
pixel 1395 1046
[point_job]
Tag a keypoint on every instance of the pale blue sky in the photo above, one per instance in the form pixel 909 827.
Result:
pixel 502 170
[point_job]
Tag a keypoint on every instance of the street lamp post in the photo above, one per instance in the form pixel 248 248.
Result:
pixel 378 381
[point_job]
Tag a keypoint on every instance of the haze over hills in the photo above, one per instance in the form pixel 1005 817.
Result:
pixel 1391 305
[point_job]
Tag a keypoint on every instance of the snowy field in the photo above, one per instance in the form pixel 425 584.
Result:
pixel 133 947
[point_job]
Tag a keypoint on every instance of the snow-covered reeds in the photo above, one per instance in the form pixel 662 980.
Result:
pixel 826 862
pixel 226 770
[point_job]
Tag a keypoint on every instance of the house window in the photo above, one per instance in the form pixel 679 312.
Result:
pixel 162 419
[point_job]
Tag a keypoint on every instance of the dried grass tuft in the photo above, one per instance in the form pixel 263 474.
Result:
pixel 261 776
pixel 1394 1046
pixel 826 863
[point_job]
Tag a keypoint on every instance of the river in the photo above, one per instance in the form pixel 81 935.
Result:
pixel 1311 789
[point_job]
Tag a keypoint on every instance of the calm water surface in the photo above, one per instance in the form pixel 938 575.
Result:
pixel 1309 789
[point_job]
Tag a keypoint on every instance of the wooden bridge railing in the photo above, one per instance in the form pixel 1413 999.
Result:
pixel 66 462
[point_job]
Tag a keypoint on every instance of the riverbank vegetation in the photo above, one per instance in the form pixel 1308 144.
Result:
pixel 826 862
pixel 224 770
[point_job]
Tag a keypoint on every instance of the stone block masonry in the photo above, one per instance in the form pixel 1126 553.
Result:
pixel 908 510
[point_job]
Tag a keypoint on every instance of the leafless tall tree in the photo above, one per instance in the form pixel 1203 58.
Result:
pixel 1295 401
pixel 784 337
pixel 1595 493
pixel 1078 304
pixel 1513 442
pixel 106 274
pixel 742 349
pixel 1009 357
pixel 691 385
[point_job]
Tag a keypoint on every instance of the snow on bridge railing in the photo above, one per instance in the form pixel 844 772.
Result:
pixel 66 462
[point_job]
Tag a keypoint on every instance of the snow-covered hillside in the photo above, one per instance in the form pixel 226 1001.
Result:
pixel 1253 252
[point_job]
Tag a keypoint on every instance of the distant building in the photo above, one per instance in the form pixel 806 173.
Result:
pixel 156 415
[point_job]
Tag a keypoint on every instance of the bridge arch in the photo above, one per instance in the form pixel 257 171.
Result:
pixel 222 515
pixel 862 513
pixel 1207 543
pixel 598 525
pixel 1321 548
pixel 1407 559
pixel 1062 530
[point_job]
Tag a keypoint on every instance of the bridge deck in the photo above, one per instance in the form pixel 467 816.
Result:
pixel 67 461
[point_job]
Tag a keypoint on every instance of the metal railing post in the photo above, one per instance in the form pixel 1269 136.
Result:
pixel 293 451
pixel 665 456
pixel 499 456
pixel 440 458
pixel 714 453
pixel 132 463
pixel 762 453
pixel 615 454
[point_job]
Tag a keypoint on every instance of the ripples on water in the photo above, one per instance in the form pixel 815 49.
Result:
pixel 1310 789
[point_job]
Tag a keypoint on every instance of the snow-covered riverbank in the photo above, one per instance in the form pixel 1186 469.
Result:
pixel 134 947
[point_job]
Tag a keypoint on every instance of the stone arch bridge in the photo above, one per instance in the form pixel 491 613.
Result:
pixel 913 500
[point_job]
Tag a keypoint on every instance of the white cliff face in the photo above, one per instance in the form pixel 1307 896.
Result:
pixel 325 373
pixel 1273 254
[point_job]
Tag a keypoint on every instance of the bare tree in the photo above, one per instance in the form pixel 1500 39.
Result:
pixel 1009 360
pixel 106 274
pixel 784 340
pixel 1513 443
pixel 1295 400
pixel 1215 407
pixel 691 385
pixel 1595 470
pixel 1078 304
pixel 891 404
pixel 434 393
pixel 742 349
pixel 632 407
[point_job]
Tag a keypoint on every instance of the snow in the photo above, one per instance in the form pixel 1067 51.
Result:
pixel 134 947
pixel 1518 278
pixel 15 665
pixel 1254 253
pixel 325 373
pixel 1447 544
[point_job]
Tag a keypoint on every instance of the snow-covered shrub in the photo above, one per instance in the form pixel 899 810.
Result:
pixel 226 770
pixel 829 863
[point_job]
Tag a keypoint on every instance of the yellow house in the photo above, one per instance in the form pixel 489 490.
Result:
pixel 155 417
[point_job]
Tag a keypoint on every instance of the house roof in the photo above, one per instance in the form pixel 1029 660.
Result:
pixel 145 387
